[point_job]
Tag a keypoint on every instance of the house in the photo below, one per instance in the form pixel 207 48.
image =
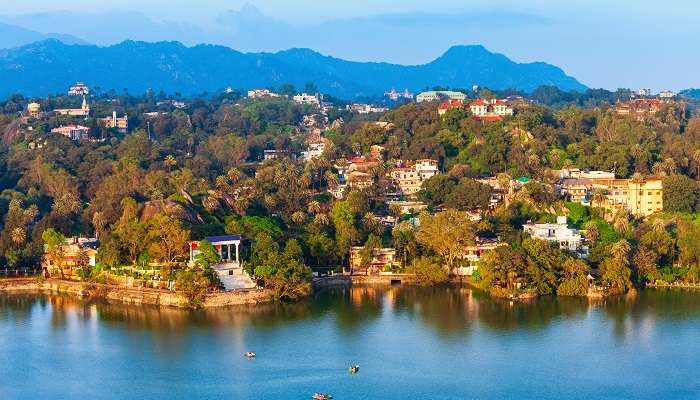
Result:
pixel 449 105
pixel 275 154
pixel 74 253
pixel 559 232
pixel 83 111
pixel 365 108
pixel 576 190
pixel 79 89
pixel 314 150
pixel 260 93
pixel 409 176
pixel 359 180
pixel 644 92
pixel 490 110
pixel 407 207
pixel 120 124
pixel 73 132
pixel 472 255
pixel 304 98
pixel 639 108
pixel 439 95
pixel 383 260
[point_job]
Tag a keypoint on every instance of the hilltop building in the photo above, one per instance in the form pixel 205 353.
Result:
pixel 34 110
pixel 73 132
pixel 258 93
pixel 490 110
pixel 395 96
pixel 304 98
pixel 83 111
pixel 439 95
pixel 365 108
pixel 449 105
pixel 639 108
pixel 120 124
pixel 79 89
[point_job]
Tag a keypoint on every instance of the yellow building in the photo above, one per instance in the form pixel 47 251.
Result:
pixel 640 198
pixel 34 109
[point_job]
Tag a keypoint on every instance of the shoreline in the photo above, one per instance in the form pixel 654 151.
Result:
pixel 127 295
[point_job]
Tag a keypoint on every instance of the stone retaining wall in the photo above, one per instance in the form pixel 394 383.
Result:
pixel 127 295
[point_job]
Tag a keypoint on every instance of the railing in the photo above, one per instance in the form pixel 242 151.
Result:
pixel 18 272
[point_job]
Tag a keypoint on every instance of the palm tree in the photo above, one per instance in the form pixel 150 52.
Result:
pixel 98 222
pixel 598 197
pixel 621 223
pixel 591 231
pixel 170 162
pixel 314 207
pixel 18 235
pixel 621 251
pixel 658 225
pixel 298 217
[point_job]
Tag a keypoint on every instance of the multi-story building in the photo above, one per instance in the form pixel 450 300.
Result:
pixel 490 109
pixel 409 176
pixel 639 197
pixel 383 259
pixel 472 255
pixel 639 108
pixel 365 108
pixel 407 207
pixel 73 132
pixel 449 105
pixel 74 253
pixel 314 150
pixel 667 94
pixel 120 124
pixel 559 232
pixel 304 98
pixel 359 180
pixel 576 190
pixel 440 95
pixel 79 89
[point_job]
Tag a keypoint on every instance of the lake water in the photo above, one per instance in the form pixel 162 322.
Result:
pixel 410 344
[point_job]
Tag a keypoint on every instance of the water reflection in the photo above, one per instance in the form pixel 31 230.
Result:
pixel 447 312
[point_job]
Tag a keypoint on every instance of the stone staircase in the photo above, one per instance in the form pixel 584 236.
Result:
pixel 233 277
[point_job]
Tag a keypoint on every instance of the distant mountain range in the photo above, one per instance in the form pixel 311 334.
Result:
pixel 15 36
pixel 51 66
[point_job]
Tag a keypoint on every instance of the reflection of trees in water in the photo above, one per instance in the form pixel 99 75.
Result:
pixel 449 311
pixel 504 315
pixel 628 313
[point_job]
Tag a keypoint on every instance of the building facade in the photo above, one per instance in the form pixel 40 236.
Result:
pixel 440 95
pixel 73 132
pixel 559 232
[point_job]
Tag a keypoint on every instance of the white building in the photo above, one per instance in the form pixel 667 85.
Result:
pixel 315 150
pixel 365 108
pixel 304 98
pixel 667 94
pixel 258 93
pixel 440 95
pixel 79 89
pixel 394 95
pixel 644 92
pixel 568 239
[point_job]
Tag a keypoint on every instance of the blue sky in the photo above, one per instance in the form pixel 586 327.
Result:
pixel 611 44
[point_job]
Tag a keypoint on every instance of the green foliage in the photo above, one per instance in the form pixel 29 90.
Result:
pixel 193 283
pixel 252 226
pixel 207 256
pixel 428 271
pixel 283 272
pixel 680 194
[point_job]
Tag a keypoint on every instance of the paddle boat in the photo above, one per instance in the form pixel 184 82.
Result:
pixel 321 396
pixel 249 354
pixel 354 369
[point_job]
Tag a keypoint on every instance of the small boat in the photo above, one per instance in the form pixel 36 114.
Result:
pixel 249 354
pixel 321 396
pixel 354 369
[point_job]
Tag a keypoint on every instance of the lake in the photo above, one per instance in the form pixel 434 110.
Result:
pixel 410 343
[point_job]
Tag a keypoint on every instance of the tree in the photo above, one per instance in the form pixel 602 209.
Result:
pixel 447 233
pixel 680 193
pixel 575 280
pixel 428 271
pixel 53 242
pixel 615 269
pixel 367 253
pixel 284 273
pixel 193 285
pixel 207 255
pixel 469 194
pixel 168 239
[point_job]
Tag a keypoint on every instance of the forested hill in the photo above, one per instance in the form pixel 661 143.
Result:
pixel 51 66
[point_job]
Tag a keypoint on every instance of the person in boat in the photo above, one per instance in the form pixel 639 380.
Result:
pixel 322 396
pixel 249 354
pixel 354 369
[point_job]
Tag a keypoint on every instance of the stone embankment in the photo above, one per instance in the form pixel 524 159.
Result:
pixel 127 295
